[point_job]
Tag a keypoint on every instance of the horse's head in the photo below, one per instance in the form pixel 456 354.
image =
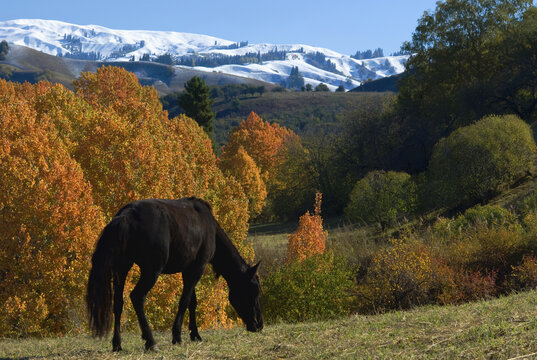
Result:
pixel 245 299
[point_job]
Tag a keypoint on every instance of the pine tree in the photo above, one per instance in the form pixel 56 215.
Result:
pixel 295 80
pixel 4 48
pixel 197 104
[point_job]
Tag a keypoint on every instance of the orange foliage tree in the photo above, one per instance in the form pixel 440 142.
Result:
pixel 116 145
pixel 48 222
pixel 264 142
pixel 274 150
pixel 309 238
pixel 242 167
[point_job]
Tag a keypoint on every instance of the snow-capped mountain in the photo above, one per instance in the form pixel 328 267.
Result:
pixel 267 62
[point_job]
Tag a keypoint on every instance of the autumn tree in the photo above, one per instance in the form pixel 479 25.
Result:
pixel 49 222
pixel 242 167
pixel 309 238
pixel 275 150
pixel 70 161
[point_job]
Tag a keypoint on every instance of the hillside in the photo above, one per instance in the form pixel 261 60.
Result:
pixel 26 64
pixel 388 83
pixel 300 111
pixel 265 62
pixel 503 328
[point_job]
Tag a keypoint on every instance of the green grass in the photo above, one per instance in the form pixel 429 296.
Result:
pixel 497 329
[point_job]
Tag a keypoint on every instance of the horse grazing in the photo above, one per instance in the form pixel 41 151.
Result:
pixel 166 236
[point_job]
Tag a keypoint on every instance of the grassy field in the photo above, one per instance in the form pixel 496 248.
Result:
pixel 503 328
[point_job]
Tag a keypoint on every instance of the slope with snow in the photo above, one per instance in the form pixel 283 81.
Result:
pixel 64 39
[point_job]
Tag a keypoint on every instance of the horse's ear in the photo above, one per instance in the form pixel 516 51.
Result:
pixel 253 270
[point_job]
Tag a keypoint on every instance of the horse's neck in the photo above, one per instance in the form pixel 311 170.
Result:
pixel 227 261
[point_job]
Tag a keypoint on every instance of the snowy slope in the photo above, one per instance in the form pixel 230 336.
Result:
pixel 64 39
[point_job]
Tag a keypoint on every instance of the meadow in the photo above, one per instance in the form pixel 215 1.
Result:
pixel 503 328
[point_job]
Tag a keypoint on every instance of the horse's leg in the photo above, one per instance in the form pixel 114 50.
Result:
pixel 192 326
pixel 146 282
pixel 190 279
pixel 119 284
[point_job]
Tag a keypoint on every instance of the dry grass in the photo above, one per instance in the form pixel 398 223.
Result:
pixel 498 329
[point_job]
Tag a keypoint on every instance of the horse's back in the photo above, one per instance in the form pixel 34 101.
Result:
pixel 170 235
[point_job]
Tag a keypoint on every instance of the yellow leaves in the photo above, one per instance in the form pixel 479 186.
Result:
pixel 264 142
pixel 67 162
pixel 242 167
pixel 44 195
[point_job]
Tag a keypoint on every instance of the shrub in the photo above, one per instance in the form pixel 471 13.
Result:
pixel 524 275
pixel 381 197
pixel 529 203
pixel 319 287
pixel 405 275
pixel 483 248
pixel 475 285
pixel 478 161
pixel 488 215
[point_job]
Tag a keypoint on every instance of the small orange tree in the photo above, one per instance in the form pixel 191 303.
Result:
pixel 312 284
pixel 309 238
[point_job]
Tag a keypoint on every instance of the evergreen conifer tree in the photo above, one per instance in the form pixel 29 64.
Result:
pixel 197 104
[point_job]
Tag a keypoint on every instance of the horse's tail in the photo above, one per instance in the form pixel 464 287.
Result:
pixel 99 291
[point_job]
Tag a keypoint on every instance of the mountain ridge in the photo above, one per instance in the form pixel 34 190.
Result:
pixel 99 43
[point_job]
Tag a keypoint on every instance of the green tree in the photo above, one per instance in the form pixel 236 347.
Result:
pixel 197 104
pixel 476 162
pixel 322 87
pixel 340 88
pixel 4 48
pixel 382 197
pixel 295 80
pixel 447 83
pixel 513 82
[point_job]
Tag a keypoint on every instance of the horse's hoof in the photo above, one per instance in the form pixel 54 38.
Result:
pixel 150 346
pixel 117 348
pixel 195 337
pixel 176 341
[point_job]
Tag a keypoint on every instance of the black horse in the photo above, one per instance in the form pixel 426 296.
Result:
pixel 166 236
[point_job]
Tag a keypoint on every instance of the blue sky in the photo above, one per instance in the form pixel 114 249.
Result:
pixel 344 26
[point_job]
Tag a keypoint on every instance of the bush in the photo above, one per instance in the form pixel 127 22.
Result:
pixel 524 275
pixel 381 197
pixel 529 203
pixel 474 285
pixel 405 275
pixel 319 287
pixel 488 215
pixel 478 161
pixel 483 247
